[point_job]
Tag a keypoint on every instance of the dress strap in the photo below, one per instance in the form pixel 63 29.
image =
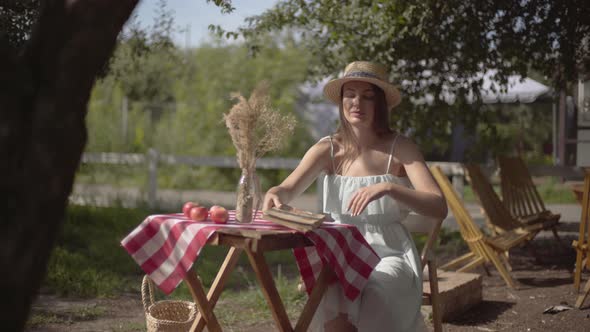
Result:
pixel 391 154
pixel 331 151
pixel 332 154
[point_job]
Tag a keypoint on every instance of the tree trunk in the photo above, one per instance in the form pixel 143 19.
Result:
pixel 43 97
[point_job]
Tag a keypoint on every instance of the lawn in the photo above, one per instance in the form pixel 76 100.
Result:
pixel 552 191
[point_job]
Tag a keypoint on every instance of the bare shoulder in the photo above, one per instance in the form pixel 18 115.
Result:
pixel 319 153
pixel 407 151
pixel 323 145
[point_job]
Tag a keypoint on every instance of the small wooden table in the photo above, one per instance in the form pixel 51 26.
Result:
pixel 254 243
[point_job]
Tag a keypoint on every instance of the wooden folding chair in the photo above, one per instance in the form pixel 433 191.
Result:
pixel 498 218
pixel 521 197
pixel 431 227
pixel 483 248
pixel 582 245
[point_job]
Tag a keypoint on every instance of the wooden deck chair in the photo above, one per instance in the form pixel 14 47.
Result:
pixel 483 249
pixel 521 197
pixel 582 245
pixel 423 225
pixel 498 217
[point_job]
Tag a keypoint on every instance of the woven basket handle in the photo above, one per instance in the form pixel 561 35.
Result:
pixel 147 292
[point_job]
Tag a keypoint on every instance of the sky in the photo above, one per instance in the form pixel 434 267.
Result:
pixel 196 15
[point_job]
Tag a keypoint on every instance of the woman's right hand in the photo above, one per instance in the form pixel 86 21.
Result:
pixel 271 199
pixel 315 160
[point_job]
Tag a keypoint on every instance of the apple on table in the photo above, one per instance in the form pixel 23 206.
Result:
pixel 187 207
pixel 198 213
pixel 218 214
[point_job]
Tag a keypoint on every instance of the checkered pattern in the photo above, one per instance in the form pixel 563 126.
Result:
pixel 345 250
pixel 166 246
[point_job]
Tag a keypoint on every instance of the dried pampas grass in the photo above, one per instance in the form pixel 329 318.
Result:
pixel 255 127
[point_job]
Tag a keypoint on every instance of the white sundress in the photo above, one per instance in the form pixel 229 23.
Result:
pixel 392 298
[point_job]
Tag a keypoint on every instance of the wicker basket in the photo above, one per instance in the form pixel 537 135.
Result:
pixel 167 315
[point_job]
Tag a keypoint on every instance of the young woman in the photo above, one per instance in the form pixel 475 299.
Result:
pixel 374 177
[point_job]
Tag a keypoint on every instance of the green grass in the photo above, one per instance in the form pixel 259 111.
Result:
pixel 129 327
pixel 469 195
pixel 552 191
pixel 88 259
pixel 248 306
pixel 41 318
pixel 45 318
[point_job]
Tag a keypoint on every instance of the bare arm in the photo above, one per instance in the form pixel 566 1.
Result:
pixel 315 160
pixel 426 198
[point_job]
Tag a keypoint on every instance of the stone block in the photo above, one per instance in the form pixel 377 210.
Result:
pixel 458 291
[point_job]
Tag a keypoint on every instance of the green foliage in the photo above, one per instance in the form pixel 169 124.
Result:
pixel 193 124
pixel 212 74
pixel 146 62
pixel 16 21
pixel 433 46
pixel 225 5
pixel 514 129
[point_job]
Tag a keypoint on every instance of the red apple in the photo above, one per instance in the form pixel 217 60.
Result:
pixel 187 207
pixel 198 213
pixel 219 214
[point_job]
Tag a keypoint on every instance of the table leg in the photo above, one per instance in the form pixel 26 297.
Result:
pixel 269 290
pixel 314 299
pixel 198 293
pixel 217 287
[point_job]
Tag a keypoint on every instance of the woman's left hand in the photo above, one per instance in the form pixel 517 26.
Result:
pixel 366 195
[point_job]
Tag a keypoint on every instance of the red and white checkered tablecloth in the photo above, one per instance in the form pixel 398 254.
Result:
pixel 165 246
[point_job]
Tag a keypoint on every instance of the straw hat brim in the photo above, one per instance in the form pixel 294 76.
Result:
pixel 333 88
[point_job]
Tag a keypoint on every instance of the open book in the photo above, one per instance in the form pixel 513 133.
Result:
pixel 296 219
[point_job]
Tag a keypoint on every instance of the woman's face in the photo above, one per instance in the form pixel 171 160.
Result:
pixel 358 103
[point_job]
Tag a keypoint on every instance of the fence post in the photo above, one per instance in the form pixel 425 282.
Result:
pixel 152 194
pixel 458 184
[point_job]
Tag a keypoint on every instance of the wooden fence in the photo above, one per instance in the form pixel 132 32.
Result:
pixel 153 158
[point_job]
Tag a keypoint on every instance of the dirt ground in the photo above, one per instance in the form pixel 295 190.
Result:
pixel 544 279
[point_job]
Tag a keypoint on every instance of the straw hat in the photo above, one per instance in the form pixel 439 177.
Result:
pixel 364 71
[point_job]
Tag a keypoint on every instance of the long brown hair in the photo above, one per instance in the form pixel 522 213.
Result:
pixel 346 136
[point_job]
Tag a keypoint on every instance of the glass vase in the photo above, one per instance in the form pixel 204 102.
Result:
pixel 249 196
